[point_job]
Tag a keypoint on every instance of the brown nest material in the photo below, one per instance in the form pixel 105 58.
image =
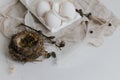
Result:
pixel 26 46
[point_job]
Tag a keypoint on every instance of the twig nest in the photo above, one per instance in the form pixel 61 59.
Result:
pixel 26 46
pixel 67 10
pixel 52 20
pixel 43 7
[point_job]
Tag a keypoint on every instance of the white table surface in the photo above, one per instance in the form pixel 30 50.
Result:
pixel 89 63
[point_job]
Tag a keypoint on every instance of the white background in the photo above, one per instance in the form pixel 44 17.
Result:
pixel 88 63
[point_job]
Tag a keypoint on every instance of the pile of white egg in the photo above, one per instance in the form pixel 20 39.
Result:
pixel 55 14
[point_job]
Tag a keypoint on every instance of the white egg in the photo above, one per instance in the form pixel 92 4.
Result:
pixel 43 7
pixel 67 10
pixel 52 20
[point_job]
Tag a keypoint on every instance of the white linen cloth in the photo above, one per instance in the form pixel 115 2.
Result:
pixel 77 33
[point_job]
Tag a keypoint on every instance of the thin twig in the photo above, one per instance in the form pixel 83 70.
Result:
pixel 48 38
pixel 95 19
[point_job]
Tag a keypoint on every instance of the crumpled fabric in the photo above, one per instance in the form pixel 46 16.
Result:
pixel 11 19
pixel 99 10
pixel 76 33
